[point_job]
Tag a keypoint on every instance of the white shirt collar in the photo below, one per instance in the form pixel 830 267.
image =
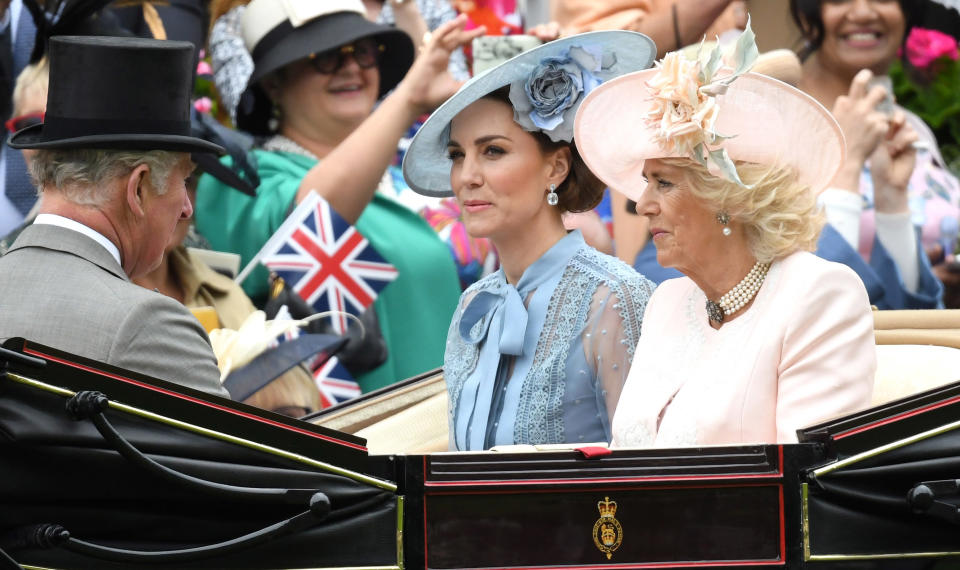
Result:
pixel 55 220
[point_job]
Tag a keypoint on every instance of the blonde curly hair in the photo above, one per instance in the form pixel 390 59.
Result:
pixel 779 214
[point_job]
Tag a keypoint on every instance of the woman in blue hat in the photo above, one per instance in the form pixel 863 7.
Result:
pixel 537 352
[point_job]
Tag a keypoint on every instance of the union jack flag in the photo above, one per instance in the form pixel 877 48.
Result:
pixel 335 383
pixel 327 261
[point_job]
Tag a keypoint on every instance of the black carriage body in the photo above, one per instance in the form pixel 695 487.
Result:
pixel 838 500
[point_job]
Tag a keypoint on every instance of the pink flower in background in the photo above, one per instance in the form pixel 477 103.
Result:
pixel 203 105
pixel 926 46
pixel 203 68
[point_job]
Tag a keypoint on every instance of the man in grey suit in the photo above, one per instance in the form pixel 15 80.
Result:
pixel 112 159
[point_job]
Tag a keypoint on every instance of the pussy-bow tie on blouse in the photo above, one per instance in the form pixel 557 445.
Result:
pixel 502 310
pixel 492 306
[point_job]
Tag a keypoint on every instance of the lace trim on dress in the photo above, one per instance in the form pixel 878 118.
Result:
pixel 460 358
pixel 539 415
pixel 632 296
pixel 540 410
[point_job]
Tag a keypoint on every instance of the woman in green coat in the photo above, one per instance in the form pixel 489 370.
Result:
pixel 318 75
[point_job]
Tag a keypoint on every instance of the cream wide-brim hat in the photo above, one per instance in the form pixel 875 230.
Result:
pixel 771 123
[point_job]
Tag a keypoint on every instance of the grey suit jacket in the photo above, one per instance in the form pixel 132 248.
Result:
pixel 60 288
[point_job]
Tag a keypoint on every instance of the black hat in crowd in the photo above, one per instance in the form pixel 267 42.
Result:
pixel 280 32
pixel 241 171
pixel 112 92
pixel 71 18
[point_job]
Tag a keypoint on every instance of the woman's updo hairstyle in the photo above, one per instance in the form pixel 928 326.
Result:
pixel 581 190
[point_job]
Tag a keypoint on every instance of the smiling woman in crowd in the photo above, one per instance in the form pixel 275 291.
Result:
pixel 883 193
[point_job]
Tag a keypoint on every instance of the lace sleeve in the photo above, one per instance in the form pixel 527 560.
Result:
pixel 609 340
pixel 459 358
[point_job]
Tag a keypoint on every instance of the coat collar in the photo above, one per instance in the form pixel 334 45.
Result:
pixel 56 238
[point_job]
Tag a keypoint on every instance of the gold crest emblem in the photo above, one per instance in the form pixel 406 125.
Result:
pixel 607 534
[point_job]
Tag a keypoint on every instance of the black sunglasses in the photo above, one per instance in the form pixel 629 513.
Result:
pixel 365 52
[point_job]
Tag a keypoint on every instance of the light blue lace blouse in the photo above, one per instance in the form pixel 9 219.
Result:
pixel 543 361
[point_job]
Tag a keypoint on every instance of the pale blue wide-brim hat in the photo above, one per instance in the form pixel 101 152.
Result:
pixel 584 61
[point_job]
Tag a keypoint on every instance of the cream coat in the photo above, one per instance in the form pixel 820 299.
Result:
pixel 802 353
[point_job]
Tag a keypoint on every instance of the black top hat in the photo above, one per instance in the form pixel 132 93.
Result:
pixel 321 26
pixel 121 93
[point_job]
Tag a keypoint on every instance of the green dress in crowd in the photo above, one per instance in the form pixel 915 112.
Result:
pixel 414 310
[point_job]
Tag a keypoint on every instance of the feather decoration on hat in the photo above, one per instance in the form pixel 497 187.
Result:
pixel 235 348
pixel 685 108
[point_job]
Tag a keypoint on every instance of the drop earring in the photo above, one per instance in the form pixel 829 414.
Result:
pixel 552 197
pixel 724 218
pixel 273 123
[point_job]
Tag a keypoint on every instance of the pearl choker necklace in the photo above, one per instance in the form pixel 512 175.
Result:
pixel 740 295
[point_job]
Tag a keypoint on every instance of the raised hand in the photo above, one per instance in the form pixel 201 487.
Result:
pixel 864 127
pixel 891 166
pixel 428 83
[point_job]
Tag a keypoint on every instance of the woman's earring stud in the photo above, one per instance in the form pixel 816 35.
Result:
pixel 552 197
pixel 273 123
pixel 724 218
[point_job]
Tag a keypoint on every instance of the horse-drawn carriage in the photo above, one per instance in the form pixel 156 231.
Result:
pixel 104 468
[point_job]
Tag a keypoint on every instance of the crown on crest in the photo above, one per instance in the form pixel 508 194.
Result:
pixel 607 507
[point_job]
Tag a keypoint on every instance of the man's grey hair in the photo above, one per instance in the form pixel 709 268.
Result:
pixel 81 174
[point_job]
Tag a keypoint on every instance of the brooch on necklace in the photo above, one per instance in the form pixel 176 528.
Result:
pixel 741 294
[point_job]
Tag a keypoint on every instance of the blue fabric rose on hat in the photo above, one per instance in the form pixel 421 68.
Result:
pixel 547 100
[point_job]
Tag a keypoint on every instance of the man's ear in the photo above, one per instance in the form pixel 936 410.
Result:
pixel 560 162
pixel 136 186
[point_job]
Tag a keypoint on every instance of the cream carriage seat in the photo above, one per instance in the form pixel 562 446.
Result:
pixel 419 428
pixel 916 351
pixel 409 419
